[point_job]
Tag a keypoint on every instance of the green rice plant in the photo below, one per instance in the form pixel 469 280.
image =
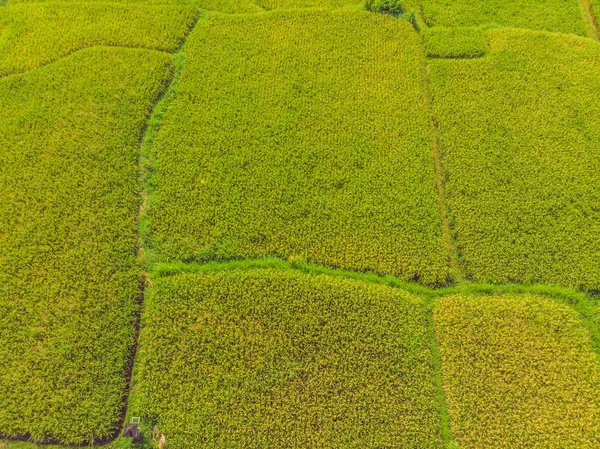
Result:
pixel 392 7
pixel 303 135
pixel 147 3
pixel 519 372
pixel 519 135
pixel 272 358
pixel 564 16
pixel 230 6
pixel 34 35
pixel 119 443
pixel 69 278
pixel 457 42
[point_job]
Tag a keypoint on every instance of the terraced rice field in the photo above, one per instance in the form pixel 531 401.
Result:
pixel 265 169
pixel 518 131
pixel 300 223
pixel 519 371
pixel 269 359
pixel 68 273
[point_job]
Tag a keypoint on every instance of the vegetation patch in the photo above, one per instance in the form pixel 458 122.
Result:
pixel 69 281
pixel 519 371
pixel 267 358
pixel 149 3
pixel 392 7
pixel 297 4
pixel 562 16
pixel 34 35
pixel 304 135
pixel 230 6
pixel 460 42
pixel 519 132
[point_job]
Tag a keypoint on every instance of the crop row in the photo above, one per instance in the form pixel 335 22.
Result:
pixel 259 359
pixel 519 371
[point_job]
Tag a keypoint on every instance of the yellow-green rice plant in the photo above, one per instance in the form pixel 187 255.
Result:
pixel 303 135
pixel 225 6
pixel 563 16
pixel 270 358
pixel 292 4
pixel 230 6
pixel 520 137
pixel 519 372
pixel 34 35
pixel 459 42
pixel 69 281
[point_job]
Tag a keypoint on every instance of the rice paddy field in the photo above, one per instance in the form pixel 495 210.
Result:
pixel 300 224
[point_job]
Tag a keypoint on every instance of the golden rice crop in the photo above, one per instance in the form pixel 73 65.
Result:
pixel 519 372
pixel 564 16
pixel 34 35
pixel 267 358
pixel 458 42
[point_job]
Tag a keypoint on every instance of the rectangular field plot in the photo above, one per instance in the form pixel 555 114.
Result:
pixel 519 372
pixel 520 136
pixel 563 16
pixel 266 358
pixel 34 35
pixel 302 135
pixel 68 206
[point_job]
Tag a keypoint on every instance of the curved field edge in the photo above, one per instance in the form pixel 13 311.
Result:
pixel 585 305
pixel 77 274
pixel 57 30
